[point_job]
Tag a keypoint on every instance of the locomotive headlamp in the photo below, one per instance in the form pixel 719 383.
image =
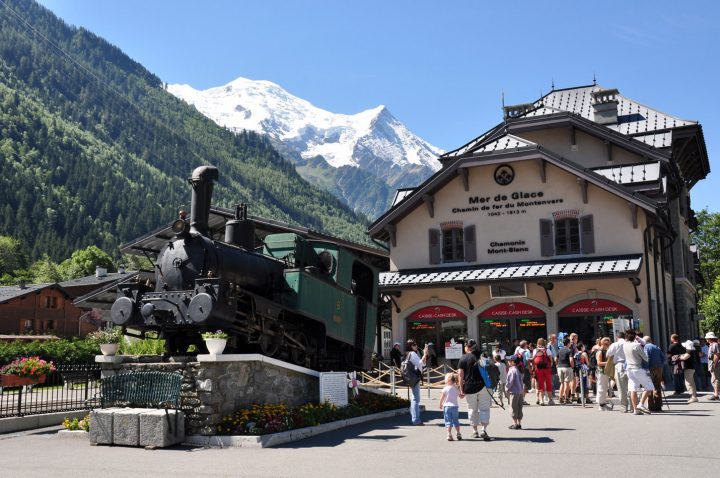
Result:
pixel 178 226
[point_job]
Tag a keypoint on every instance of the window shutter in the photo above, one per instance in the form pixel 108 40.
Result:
pixel 470 247
pixel 546 238
pixel 587 235
pixel 434 246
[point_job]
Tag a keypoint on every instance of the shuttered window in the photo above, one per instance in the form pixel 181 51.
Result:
pixel 567 236
pixel 453 245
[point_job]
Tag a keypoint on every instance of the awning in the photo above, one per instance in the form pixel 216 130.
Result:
pixel 556 269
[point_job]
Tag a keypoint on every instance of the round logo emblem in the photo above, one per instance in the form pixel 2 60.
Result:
pixel 504 175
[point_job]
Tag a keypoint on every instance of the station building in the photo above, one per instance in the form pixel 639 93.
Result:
pixel 571 215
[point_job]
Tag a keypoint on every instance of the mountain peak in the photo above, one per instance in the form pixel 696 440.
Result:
pixel 372 140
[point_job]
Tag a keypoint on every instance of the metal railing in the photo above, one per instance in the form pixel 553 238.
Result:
pixel 388 376
pixel 64 390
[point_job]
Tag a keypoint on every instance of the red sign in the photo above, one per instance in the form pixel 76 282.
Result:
pixel 511 309
pixel 438 312
pixel 594 306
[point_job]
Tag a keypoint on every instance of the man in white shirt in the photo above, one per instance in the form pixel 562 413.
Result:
pixel 618 354
pixel 637 376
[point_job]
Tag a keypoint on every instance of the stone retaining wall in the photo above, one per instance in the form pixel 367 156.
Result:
pixel 217 388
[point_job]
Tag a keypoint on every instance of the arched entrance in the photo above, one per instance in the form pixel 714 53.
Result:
pixel 437 324
pixel 591 318
pixel 511 320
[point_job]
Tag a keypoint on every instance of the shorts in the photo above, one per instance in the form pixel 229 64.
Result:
pixel 452 416
pixel 639 378
pixel 715 375
pixel 565 374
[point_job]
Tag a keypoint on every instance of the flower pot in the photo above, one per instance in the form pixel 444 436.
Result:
pixel 215 346
pixel 109 349
pixel 18 381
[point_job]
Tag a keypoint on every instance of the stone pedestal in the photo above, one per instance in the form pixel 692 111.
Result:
pixel 160 429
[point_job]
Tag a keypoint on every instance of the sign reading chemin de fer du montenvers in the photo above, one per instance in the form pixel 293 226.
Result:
pixel 506 204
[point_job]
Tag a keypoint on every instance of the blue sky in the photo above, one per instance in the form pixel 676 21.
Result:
pixel 440 67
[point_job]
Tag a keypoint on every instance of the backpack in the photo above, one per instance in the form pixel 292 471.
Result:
pixel 578 360
pixel 489 372
pixel 593 360
pixel 409 373
pixel 542 360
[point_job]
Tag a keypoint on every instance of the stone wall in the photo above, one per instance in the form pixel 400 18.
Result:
pixel 214 389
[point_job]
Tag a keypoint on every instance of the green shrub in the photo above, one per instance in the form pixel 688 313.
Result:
pixel 61 351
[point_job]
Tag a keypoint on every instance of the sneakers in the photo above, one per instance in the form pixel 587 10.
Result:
pixel 693 400
pixel 602 408
pixel 515 427
pixel 551 402
pixel 638 412
pixel 562 400
pixel 485 436
pixel 450 438
pixel 476 434
pixel 714 398
pixel 643 409
pixel 459 437
pixel 537 402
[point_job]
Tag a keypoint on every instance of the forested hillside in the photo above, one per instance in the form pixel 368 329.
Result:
pixel 93 150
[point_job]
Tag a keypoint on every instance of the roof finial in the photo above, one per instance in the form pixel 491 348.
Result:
pixel 502 97
pixel 552 84
pixel 594 79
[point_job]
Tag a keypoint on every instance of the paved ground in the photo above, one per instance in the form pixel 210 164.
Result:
pixel 556 441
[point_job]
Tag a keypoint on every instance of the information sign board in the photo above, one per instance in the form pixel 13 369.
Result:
pixel 334 388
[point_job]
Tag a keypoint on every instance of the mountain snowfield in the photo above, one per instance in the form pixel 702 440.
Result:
pixel 374 141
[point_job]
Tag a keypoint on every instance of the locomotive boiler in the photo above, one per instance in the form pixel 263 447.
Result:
pixel 310 302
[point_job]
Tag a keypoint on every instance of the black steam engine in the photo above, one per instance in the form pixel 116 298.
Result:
pixel 311 302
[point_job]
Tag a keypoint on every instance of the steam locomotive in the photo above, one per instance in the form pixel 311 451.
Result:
pixel 310 302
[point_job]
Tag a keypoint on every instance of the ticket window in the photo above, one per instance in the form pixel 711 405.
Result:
pixel 531 329
pixel 494 330
pixel 438 332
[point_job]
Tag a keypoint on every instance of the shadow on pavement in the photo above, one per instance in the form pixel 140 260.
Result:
pixel 355 432
pixel 526 439
pixel 550 429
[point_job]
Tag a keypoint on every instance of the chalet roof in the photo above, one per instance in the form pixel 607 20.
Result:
pixel 637 124
pixel 14 291
pixel 633 117
pixel 507 148
pixel 555 269
pixel 94 280
pixel 632 173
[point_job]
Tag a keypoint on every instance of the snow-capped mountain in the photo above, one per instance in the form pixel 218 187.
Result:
pixel 386 153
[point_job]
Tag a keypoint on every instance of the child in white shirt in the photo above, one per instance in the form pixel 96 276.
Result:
pixel 450 406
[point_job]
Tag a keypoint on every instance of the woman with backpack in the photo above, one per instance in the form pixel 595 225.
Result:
pixel 603 380
pixel 542 363
pixel 411 370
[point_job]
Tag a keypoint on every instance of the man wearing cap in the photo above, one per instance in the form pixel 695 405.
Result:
pixel 472 388
pixel 714 363
pixel 688 360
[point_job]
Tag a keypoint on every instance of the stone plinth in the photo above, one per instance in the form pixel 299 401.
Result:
pixel 217 385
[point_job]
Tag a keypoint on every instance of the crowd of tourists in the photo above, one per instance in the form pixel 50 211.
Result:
pixel 631 368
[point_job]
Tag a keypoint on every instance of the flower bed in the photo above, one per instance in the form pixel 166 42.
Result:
pixel 28 367
pixel 264 419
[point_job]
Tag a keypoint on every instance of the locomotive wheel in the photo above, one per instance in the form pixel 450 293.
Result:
pixel 269 345
pixel 299 351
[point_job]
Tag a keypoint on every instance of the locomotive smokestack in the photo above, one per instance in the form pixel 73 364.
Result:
pixel 202 181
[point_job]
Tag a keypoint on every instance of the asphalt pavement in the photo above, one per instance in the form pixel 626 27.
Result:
pixel 554 441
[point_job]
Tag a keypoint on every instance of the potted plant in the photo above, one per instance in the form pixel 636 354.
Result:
pixel 25 371
pixel 108 340
pixel 215 341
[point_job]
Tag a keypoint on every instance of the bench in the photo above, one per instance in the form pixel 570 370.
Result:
pixel 146 393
